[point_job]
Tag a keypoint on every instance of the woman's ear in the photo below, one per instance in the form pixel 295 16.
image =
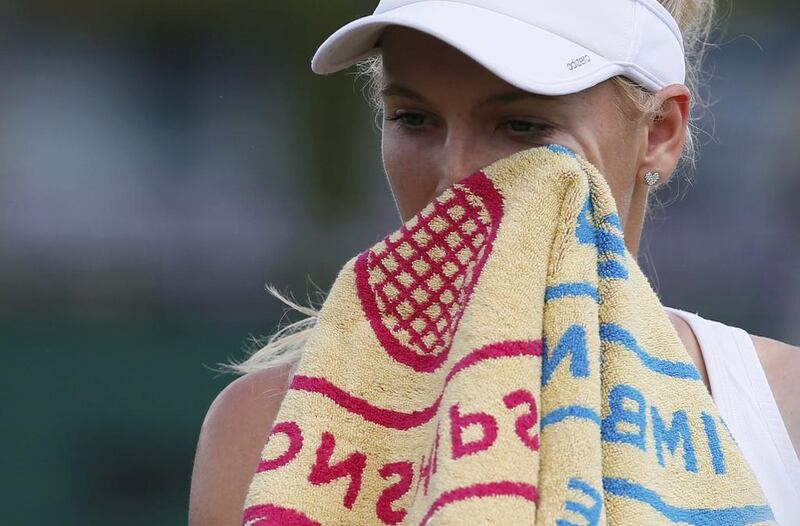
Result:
pixel 667 131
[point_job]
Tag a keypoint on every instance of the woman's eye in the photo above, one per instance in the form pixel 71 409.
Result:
pixel 410 120
pixel 538 128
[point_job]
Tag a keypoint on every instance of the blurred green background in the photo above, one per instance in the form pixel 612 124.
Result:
pixel 160 161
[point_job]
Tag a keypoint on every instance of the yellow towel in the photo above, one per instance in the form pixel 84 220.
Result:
pixel 501 359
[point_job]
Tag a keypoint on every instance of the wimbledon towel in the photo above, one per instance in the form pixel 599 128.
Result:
pixel 501 359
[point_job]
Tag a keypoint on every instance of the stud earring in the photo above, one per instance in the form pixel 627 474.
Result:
pixel 651 178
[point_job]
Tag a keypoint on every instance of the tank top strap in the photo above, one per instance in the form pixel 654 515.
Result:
pixel 745 401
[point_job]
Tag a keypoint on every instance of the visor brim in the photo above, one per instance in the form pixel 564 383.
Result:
pixel 524 55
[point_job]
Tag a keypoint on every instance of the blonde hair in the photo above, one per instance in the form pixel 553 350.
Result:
pixel 696 20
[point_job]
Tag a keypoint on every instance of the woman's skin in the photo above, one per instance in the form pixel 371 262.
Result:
pixel 440 129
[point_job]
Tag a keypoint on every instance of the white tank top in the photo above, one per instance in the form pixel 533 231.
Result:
pixel 740 390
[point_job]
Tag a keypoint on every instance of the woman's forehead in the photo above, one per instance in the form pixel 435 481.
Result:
pixel 415 63
pixel 432 78
pixel 404 47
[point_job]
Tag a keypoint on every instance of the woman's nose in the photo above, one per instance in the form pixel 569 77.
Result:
pixel 459 158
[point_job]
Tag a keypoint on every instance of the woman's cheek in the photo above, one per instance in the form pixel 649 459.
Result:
pixel 412 180
pixel 565 139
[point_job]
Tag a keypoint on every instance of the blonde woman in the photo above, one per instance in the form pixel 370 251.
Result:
pixel 456 98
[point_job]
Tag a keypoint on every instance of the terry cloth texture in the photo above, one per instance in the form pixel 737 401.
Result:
pixel 501 359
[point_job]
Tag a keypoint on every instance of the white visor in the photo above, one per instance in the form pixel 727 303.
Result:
pixel 546 47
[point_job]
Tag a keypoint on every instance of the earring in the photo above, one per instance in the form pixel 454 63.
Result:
pixel 651 178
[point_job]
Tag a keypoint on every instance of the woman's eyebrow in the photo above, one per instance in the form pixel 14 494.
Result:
pixel 399 90
pixel 517 95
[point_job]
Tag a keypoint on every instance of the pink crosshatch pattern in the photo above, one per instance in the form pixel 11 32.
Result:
pixel 415 284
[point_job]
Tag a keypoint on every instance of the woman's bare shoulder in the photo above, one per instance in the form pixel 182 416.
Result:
pixel 781 363
pixel 231 439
